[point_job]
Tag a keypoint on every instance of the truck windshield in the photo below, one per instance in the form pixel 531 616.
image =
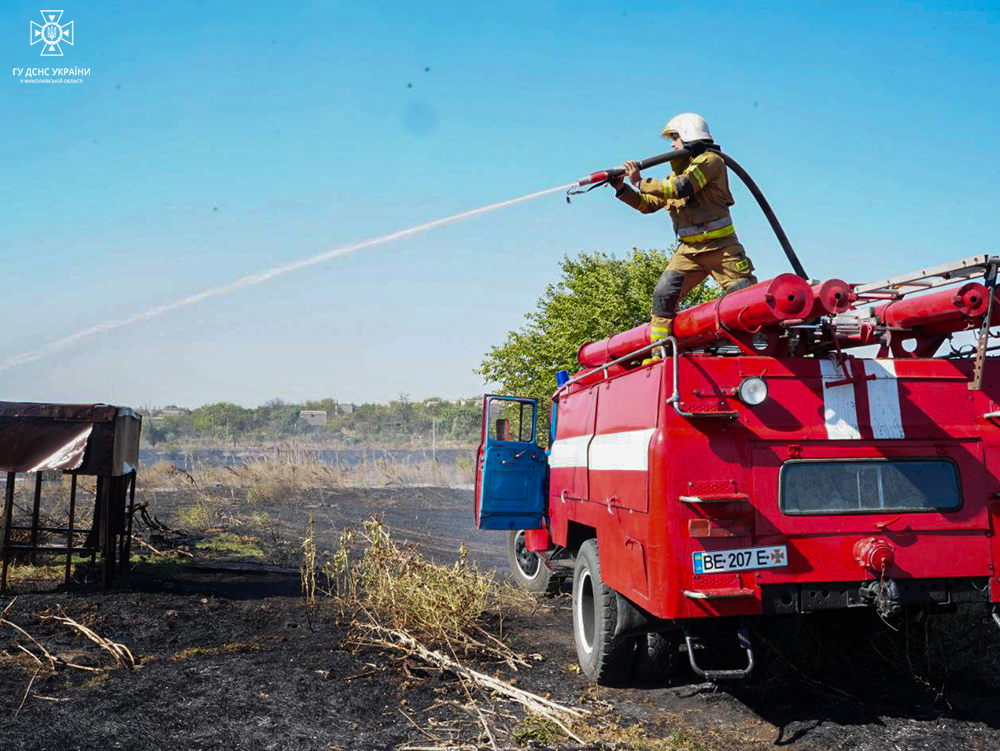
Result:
pixel 868 486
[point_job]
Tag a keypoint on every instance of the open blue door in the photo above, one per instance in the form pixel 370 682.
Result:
pixel 512 471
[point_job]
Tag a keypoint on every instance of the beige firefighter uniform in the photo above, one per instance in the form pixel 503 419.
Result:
pixel 697 198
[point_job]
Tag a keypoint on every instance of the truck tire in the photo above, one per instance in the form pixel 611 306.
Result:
pixel 656 657
pixel 603 658
pixel 527 568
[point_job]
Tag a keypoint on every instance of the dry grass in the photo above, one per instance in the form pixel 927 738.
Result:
pixel 276 480
pixel 415 595
pixel 163 475
pixel 121 654
pixel 204 513
pixel 387 582
pixel 439 615
pixel 280 480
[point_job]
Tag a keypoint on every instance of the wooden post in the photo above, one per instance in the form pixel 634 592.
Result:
pixel 107 535
pixel 34 518
pixel 5 520
pixel 69 536
pixel 94 538
pixel 127 547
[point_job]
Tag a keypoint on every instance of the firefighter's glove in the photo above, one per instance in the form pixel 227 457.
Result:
pixel 617 183
pixel 632 171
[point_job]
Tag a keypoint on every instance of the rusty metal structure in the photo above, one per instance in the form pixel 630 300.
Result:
pixel 95 440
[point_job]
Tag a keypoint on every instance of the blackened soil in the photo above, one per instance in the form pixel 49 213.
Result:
pixel 234 660
pixel 847 683
pixel 226 661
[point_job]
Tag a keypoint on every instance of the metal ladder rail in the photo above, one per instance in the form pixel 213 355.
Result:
pixel 928 278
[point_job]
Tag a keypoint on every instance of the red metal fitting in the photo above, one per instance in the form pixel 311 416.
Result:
pixel 874 554
pixel 833 297
pixel 593 177
pixel 537 540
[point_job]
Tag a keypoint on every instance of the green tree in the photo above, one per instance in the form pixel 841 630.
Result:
pixel 153 432
pixel 596 296
pixel 223 419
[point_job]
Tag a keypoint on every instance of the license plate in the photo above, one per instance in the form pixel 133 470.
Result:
pixel 708 562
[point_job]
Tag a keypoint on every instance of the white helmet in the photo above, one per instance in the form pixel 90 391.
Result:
pixel 689 126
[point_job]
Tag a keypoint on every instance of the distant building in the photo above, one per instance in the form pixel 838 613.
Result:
pixel 158 417
pixel 432 401
pixel 313 417
pixel 344 408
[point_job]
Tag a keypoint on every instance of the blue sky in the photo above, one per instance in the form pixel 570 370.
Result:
pixel 215 139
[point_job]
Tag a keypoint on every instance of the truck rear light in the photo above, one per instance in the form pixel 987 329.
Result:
pixel 718 528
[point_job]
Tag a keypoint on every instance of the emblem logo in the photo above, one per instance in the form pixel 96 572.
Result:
pixel 51 34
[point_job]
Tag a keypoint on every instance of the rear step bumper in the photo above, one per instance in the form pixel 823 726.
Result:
pixel 693 642
pixel 718 594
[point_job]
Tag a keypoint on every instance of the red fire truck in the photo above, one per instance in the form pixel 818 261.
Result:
pixel 760 467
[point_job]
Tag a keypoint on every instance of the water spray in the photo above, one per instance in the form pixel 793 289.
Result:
pixel 258 278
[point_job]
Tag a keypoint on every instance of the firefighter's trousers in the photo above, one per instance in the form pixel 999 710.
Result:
pixel 688 268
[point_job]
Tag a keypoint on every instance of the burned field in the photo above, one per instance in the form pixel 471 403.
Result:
pixel 231 653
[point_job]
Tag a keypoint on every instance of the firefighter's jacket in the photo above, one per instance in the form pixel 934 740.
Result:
pixel 697 198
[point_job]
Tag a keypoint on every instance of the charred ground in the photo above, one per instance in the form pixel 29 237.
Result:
pixel 230 655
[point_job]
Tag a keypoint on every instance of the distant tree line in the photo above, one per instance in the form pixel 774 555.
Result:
pixel 400 422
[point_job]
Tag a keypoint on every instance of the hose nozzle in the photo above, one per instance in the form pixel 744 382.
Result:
pixel 593 177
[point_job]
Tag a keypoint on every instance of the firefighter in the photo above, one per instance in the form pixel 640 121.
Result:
pixel 697 198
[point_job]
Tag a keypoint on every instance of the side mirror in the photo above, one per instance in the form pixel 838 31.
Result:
pixel 503 430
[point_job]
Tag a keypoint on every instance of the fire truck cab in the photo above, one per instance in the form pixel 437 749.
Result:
pixel 759 471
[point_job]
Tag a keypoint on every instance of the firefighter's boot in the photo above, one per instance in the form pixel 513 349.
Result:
pixel 660 328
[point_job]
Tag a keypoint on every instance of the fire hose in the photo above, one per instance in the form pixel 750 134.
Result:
pixel 596 179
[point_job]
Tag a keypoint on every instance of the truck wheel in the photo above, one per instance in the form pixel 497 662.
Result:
pixel 657 662
pixel 604 658
pixel 527 568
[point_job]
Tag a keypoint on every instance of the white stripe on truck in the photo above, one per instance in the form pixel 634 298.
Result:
pixel 883 399
pixel 569 452
pixel 840 413
pixel 621 451
pixel 624 451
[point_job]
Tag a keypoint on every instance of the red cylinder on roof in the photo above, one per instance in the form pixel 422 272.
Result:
pixel 942 311
pixel 746 311
pixel 597 353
